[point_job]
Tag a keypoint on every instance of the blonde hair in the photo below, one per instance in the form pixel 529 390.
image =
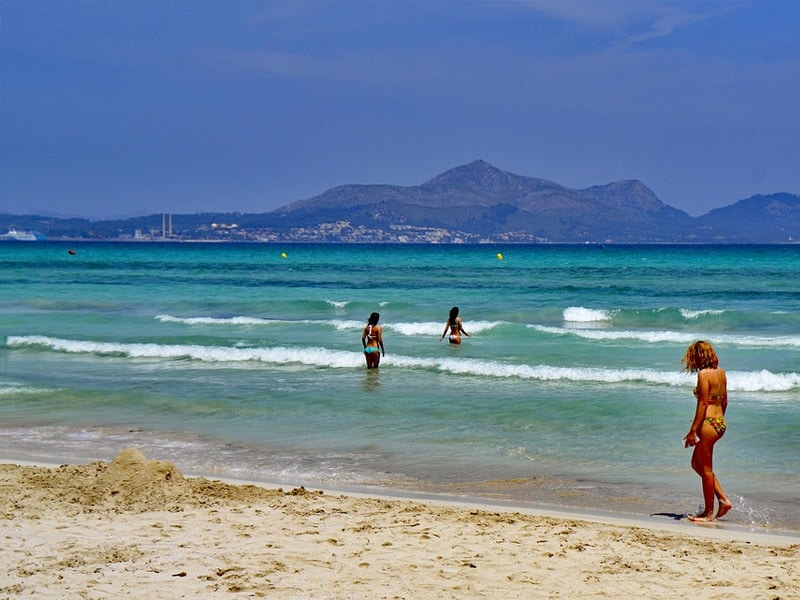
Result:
pixel 700 355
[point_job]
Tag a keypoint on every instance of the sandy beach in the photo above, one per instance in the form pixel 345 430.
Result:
pixel 138 528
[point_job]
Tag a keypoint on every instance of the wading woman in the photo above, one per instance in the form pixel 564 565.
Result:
pixel 456 327
pixel 708 425
pixel 372 341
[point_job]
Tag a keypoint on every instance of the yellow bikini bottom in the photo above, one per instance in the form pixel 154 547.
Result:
pixel 718 423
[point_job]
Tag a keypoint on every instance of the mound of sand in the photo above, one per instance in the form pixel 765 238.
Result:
pixel 129 483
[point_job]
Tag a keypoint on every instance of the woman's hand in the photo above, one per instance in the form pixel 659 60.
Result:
pixel 691 439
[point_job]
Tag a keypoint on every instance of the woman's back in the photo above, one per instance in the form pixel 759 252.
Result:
pixel 714 382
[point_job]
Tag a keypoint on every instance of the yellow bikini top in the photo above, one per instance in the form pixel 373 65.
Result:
pixel 717 397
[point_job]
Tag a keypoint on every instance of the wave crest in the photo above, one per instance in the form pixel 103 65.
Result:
pixel 763 381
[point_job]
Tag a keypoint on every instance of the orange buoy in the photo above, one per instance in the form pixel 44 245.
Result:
pixel 72 252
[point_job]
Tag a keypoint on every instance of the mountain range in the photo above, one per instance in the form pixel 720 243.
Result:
pixel 485 203
pixel 479 198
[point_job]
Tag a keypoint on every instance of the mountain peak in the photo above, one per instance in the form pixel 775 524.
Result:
pixel 480 176
pixel 473 171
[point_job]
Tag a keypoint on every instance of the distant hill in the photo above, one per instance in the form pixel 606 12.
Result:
pixel 758 219
pixel 482 199
pixel 478 202
pixel 479 198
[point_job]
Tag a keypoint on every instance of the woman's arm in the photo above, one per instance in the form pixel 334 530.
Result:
pixel 700 412
pixel 444 333
pixel 379 337
pixel 461 327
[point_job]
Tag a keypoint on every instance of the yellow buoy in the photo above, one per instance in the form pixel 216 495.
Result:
pixel 499 256
pixel 283 254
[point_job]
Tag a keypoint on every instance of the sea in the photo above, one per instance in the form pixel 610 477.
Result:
pixel 243 361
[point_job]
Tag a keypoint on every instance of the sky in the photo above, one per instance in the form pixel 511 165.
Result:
pixel 120 108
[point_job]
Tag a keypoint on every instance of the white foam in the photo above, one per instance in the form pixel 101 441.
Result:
pixel 337 303
pixel 481 326
pixel 430 328
pixel 277 355
pixel 342 325
pixel 241 320
pixel 579 314
pixel 596 334
pixel 762 381
pixel 435 328
pixel 9 389
pixel 674 336
pixel 321 357
pixel 215 320
pixel 696 314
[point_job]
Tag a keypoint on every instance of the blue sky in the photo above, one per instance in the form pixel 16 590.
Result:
pixel 130 107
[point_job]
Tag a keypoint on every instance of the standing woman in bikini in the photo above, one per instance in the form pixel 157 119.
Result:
pixel 456 327
pixel 708 425
pixel 372 341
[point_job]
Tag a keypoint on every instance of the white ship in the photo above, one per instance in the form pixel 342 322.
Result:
pixel 21 236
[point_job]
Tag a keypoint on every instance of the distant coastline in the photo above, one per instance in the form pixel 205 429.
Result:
pixel 471 204
pixel 342 232
pixel 313 242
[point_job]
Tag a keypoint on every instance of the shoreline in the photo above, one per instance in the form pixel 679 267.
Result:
pixel 631 501
pixel 671 522
pixel 716 529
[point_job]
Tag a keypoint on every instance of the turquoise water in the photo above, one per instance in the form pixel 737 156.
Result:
pixel 230 360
